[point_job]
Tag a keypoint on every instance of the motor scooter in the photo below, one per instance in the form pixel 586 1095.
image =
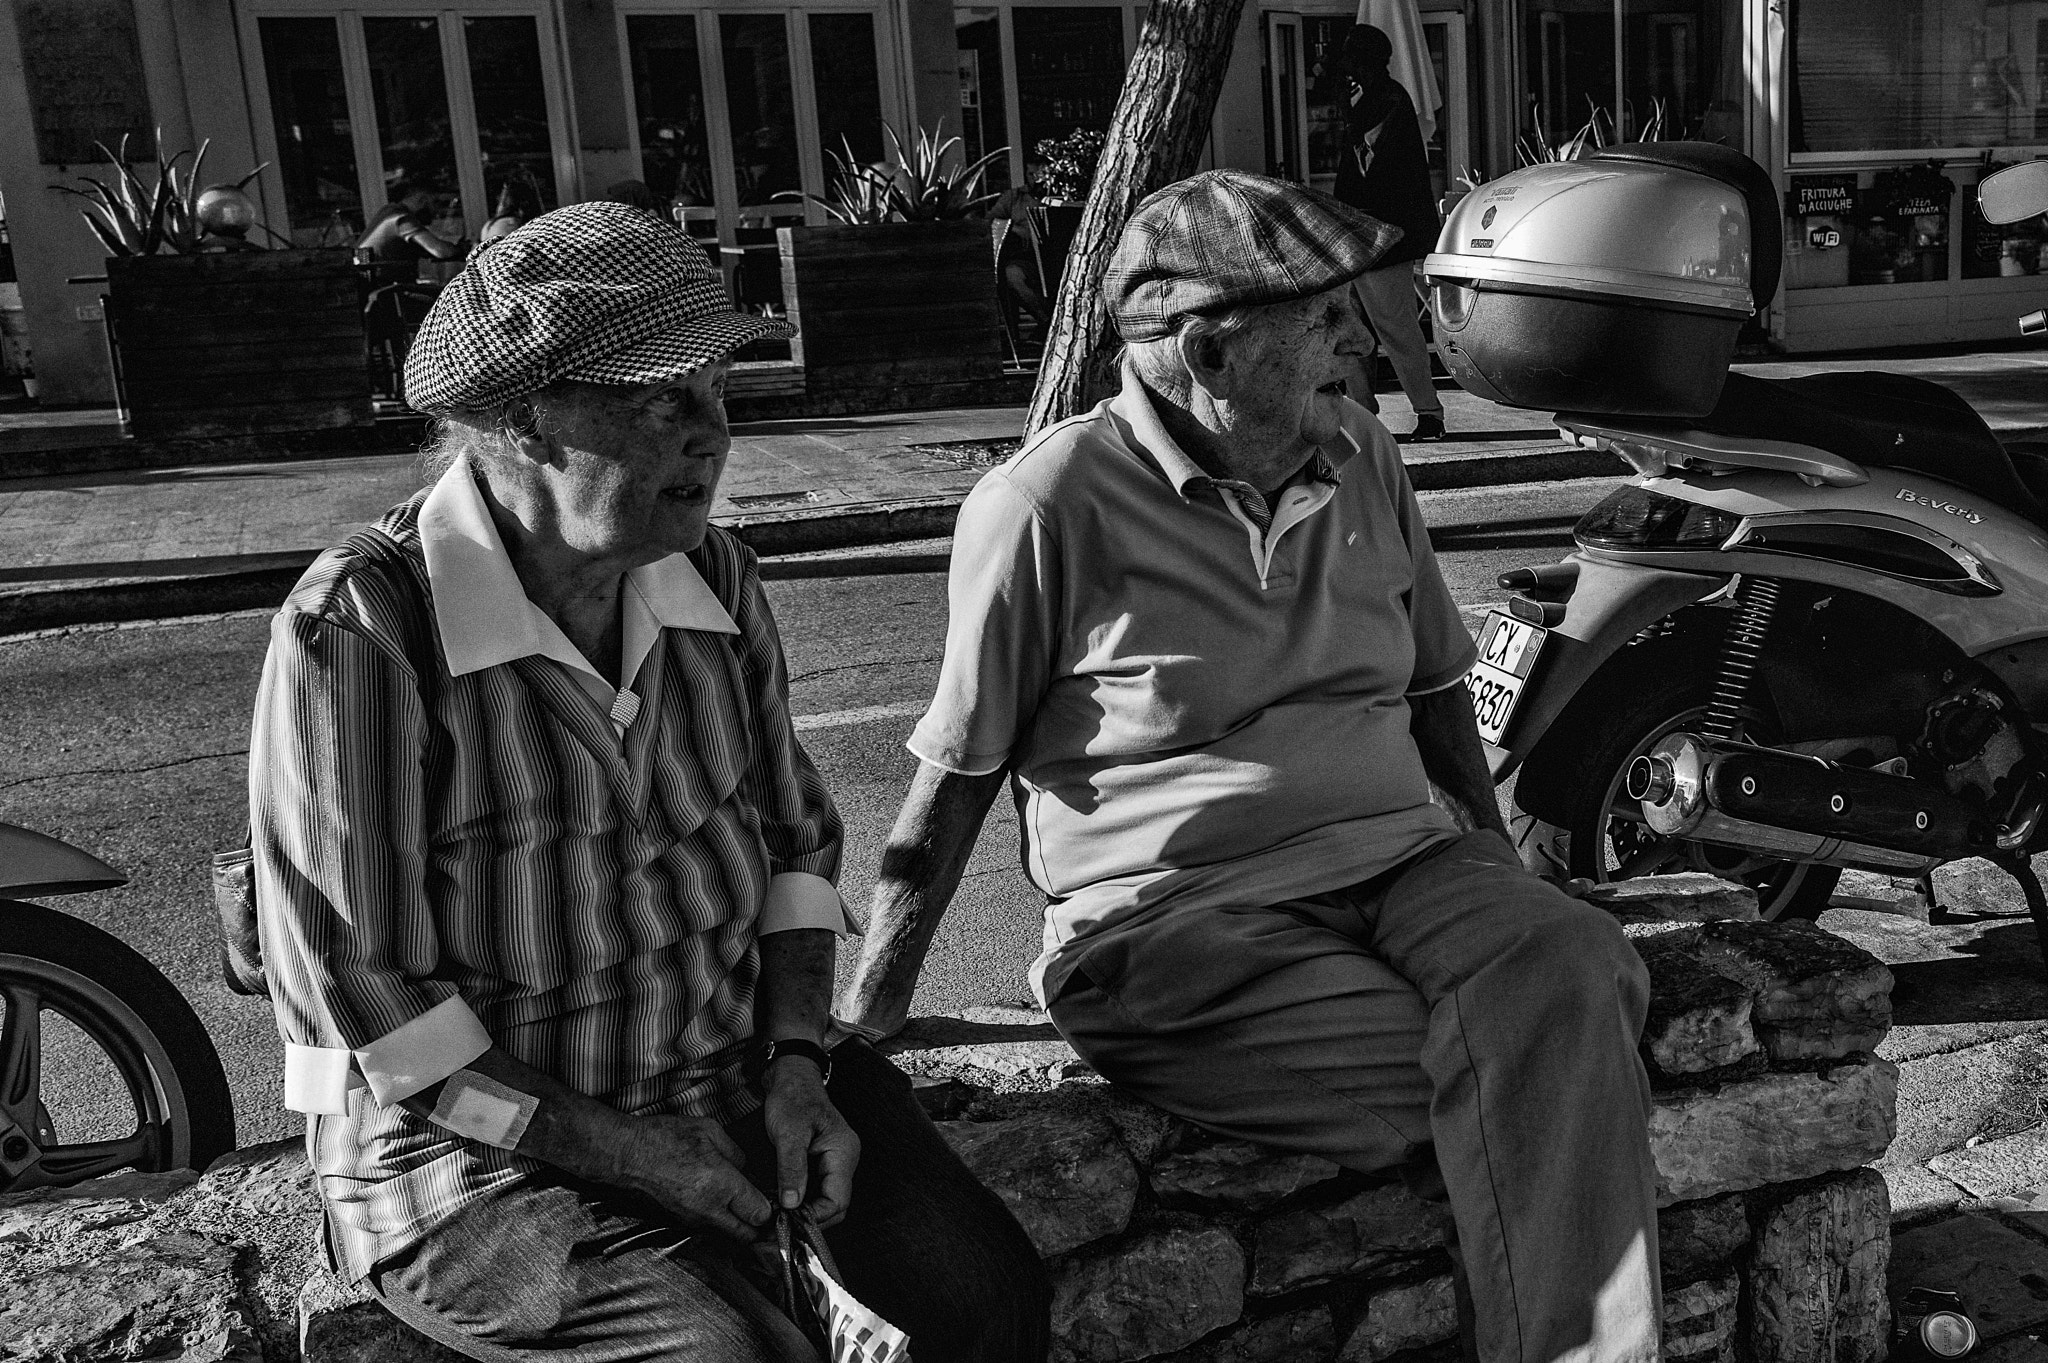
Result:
pixel 103 1064
pixel 1811 634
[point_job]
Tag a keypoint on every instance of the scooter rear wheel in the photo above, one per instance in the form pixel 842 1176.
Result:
pixel 120 1023
pixel 1605 837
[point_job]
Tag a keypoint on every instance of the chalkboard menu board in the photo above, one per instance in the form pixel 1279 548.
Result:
pixel 85 80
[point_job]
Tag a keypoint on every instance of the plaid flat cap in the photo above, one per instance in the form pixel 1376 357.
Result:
pixel 1227 238
pixel 596 292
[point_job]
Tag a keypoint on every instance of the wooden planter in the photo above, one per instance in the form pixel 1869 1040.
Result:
pixel 238 343
pixel 893 312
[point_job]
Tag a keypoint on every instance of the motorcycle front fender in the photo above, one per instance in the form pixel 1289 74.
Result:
pixel 1611 603
pixel 34 863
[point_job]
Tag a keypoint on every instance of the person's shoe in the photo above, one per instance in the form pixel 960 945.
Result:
pixel 1428 426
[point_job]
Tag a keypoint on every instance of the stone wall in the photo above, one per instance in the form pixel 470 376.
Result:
pixel 1166 1242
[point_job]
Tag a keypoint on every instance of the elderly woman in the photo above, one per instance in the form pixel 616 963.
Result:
pixel 547 883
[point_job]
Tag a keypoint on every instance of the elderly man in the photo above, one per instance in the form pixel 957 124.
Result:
pixel 546 882
pixel 1201 632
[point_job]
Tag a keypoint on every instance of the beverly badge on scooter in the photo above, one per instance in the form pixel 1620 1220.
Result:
pixel 1813 632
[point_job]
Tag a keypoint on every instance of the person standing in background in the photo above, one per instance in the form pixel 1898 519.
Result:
pixel 1385 172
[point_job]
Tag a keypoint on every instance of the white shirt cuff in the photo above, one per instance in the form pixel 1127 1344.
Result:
pixel 798 899
pixel 423 1052
pixel 318 1078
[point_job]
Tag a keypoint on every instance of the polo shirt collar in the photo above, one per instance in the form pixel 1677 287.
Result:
pixel 484 614
pixel 1135 407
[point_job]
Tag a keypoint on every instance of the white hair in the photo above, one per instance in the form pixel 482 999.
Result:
pixel 1161 363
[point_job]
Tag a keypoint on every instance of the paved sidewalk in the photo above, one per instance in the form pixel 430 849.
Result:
pixel 101 546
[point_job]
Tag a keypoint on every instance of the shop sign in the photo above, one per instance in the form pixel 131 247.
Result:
pixel 1814 195
pixel 1920 205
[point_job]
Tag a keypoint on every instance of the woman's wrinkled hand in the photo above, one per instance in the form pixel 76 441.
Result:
pixel 694 1170
pixel 814 1147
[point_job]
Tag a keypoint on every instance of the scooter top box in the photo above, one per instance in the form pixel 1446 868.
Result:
pixel 1614 284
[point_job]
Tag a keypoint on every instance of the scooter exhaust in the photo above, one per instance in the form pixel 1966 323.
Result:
pixel 1802 808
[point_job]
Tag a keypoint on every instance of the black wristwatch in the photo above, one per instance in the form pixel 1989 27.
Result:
pixel 767 1053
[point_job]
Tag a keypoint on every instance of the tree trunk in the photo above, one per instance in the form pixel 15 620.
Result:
pixel 1162 119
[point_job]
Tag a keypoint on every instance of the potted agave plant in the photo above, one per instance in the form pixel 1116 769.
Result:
pixel 896 296
pixel 211 335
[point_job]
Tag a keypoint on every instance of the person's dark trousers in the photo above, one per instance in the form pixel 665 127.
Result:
pixel 560 1270
pixel 1456 1006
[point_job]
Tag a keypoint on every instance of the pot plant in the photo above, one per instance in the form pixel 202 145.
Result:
pixel 895 298
pixel 212 336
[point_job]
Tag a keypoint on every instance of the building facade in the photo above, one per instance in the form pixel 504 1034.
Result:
pixel 1876 119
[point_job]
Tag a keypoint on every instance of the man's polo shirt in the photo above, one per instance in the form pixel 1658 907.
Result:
pixel 1194 712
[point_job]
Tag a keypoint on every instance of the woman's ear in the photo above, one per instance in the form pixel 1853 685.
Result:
pixel 1207 357
pixel 522 426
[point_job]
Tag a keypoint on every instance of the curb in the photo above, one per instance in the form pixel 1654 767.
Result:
pixel 265 580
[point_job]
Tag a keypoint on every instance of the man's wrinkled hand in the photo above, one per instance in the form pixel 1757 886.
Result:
pixel 695 1171
pixel 814 1147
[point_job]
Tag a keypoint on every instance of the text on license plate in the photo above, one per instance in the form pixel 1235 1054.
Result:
pixel 1507 651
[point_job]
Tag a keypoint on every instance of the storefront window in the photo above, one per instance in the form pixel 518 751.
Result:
pixel 668 99
pixel 983 117
pixel 1917 74
pixel 511 115
pixel 849 85
pixel 1681 73
pixel 316 154
pixel 1070 70
pixel 760 101
pixel 1992 251
pixel 1874 227
pixel 411 95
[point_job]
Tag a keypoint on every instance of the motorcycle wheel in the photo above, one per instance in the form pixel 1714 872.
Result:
pixel 141 1026
pixel 1605 837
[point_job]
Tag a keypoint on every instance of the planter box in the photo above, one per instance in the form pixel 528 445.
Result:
pixel 238 343
pixel 892 308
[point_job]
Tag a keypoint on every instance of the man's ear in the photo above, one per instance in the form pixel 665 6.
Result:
pixel 1207 357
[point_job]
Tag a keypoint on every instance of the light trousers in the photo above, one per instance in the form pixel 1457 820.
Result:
pixel 1390 300
pixel 1456 1002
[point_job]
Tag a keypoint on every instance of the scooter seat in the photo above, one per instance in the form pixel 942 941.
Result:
pixel 1885 421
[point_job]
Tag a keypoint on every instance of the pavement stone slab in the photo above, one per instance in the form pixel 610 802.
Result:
pixel 1917 1192
pixel 1955 984
pixel 2001 1274
pixel 1999 1167
pixel 1988 1091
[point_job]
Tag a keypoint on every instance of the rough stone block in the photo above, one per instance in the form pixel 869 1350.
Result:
pixel 1817 996
pixel 1315 1244
pixel 1695 1238
pixel 1817 1275
pixel 156 1297
pixel 2001 1273
pixel 55 1215
pixel 1996 1168
pixel 1160 1292
pixel 1699 1018
pixel 1235 1176
pixel 1687 897
pixel 1065 1176
pixel 342 1324
pixel 1700 1321
pixel 263 1197
pixel 1775 1128
pixel 1399 1318
pixel 1307 1336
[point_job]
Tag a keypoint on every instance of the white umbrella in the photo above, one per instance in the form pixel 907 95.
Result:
pixel 1410 66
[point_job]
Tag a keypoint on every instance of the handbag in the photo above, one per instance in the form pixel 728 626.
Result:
pixel 815 1297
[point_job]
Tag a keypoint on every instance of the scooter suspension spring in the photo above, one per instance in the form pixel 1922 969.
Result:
pixel 1756 600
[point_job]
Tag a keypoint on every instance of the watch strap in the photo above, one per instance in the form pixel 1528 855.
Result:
pixel 773 1051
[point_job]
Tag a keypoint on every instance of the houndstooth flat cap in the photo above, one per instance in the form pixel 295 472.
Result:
pixel 596 292
pixel 1227 238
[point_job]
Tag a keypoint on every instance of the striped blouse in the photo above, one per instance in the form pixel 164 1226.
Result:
pixel 513 854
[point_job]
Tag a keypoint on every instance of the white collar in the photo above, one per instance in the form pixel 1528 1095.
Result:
pixel 486 618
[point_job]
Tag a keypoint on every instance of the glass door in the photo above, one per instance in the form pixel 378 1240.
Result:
pixel 353 106
pixel 739 112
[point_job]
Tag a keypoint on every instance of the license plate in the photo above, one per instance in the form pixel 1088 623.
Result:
pixel 1507 650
